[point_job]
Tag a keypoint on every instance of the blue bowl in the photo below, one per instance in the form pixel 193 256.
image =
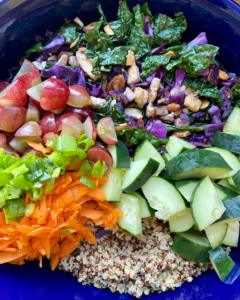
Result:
pixel 20 22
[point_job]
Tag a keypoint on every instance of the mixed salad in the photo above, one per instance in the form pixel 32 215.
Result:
pixel 127 110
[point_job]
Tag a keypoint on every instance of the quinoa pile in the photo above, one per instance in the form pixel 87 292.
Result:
pixel 132 264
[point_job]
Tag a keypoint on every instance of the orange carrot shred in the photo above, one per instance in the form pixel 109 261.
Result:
pixel 68 206
pixel 39 147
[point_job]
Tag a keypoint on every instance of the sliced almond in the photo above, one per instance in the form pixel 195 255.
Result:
pixel 74 43
pixel 223 75
pixel 173 107
pixel 181 133
pixel 78 21
pixel 89 27
pixel 205 103
pixel 185 111
pixel 108 30
pixel 162 100
pixel 173 53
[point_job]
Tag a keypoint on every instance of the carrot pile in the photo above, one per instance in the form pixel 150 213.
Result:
pixel 69 206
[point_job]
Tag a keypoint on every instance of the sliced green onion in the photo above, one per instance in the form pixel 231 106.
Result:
pixel 88 182
pixel 36 170
pixel 85 169
pixel 37 185
pixel 16 208
pixel 14 192
pixel 1 151
pixel 73 161
pixel 59 161
pixel 20 170
pixel 45 177
pixel 56 172
pixel 66 145
pixel 67 230
pixel 29 209
pixel 49 186
pixel 21 182
pixel 98 169
pixel 84 142
pixel 3 195
pixel 5 178
pixel 35 193
pixel 5 211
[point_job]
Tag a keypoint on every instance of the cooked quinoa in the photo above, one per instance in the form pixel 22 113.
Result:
pixel 132 264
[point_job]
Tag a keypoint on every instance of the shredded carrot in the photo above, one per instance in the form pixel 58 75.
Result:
pixel 39 147
pixel 68 206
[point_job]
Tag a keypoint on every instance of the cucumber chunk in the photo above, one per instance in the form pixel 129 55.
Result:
pixel 145 209
pixel 139 172
pixel 192 245
pixel 232 235
pixel 113 188
pixel 221 262
pixel 233 125
pixel 175 146
pixel 182 223
pixel 226 141
pixel 216 234
pixel 230 158
pixel 229 192
pixel 206 208
pixel 224 182
pixel 186 187
pixel 146 151
pixel 220 193
pixel 163 197
pixel 166 157
pixel 232 211
pixel 131 220
pixel 231 182
pixel 236 179
pixel 196 164
pixel 120 155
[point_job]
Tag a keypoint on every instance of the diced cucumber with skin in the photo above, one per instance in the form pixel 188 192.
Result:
pixel 229 192
pixel 231 182
pixel 220 193
pixel 224 182
pixel 192 245
pixel 113 188
pixel 120 155
pixel 176 146
pixel 221 262
pixel 236 179
pixel 232 211
pixel 196 164
pixel 139 173
pixel 146 151
pixel 166 157
pixel 186 187
pixel 163 197
pixel 230 158
pixel 226 141
pixel 216 234
pixel 182 223
pixel 205 205
pixel 131 220
pixel 233 124
pixel 232 235
pixel 145 209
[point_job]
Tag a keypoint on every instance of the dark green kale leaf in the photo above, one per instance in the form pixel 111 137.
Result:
pixel 117 116
pixel 151 63
pixel 168 30
pixel 146 11
pixel 136 136
pixel 236 91
pixel 193 59
pixel 70 32
pixel 37 48
pixel 171 128
pixel 125 17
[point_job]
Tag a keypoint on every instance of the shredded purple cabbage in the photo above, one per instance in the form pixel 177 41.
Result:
pixel 120 106
pixel 200 137
pixel 139 84
pixel 198 114
pixel 119 94
pixel 147 26
pixel 131 120
pixel 179 77
pixel 93 88
pixel 81 77
pixel 139 65
pixel 157 128
pixel 158 50
pixel 178 99
pixel 61 72
pixel 201 39
pixel 161 152
pixel 150 78
pixel 226 94
pixel 211 128
pixel 54 45
pixel 101 233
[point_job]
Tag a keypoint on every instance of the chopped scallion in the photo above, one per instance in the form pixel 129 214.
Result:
pixel 88 182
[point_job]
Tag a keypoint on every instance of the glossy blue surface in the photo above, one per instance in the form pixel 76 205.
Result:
pixel 20 21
